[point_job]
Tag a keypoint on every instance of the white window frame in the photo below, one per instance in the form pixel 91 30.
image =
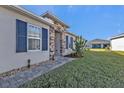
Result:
pixel 28 50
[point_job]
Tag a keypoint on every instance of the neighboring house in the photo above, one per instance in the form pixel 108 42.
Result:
pixel 98 43
pixel 24 36
pixel 117 42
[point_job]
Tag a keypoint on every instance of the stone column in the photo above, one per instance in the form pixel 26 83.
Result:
pixel 63 43
pixel 52 43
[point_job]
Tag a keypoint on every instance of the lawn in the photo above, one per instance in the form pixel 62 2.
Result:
pixel 95 69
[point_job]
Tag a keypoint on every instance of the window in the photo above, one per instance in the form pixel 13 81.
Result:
pixel 44 39
pixel 71 42
pixel 21 36
pixel 66 42
pixel 29 37
pixel 34 37
pixel 96 45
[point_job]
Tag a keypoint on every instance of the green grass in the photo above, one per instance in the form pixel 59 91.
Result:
pixel 98 49
pixel 96 69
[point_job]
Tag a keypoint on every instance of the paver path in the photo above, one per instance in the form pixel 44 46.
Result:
pixel 22 77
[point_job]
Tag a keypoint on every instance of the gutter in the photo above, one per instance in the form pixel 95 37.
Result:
pixel 116 37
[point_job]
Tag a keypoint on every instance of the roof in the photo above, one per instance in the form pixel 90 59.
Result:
pixel 26 12
pixel 99 41
pixel 49 14
pixel 117 36
pixel 71 33
pixel 36 17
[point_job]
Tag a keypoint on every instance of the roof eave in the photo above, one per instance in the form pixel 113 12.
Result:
pixel 71 34
pixel 24 11
pixel 55 18
pixel 116 37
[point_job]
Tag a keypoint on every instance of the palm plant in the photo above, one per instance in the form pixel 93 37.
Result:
pixel 80 46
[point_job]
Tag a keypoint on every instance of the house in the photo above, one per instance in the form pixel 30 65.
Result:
pixel 25 36
pixel 98 43
pixel 117 42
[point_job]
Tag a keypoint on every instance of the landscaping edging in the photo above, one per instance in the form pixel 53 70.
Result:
pixel 17 70
pixel 25 76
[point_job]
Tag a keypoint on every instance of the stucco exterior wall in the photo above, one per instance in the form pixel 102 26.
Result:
pixel 69 50
pixel 117 44
pixel 9 59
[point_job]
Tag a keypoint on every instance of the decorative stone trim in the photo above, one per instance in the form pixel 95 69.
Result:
pixel 52 43
pixel 63 43
pixel 25 68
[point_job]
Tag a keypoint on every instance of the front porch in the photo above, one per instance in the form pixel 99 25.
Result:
pixel 57 43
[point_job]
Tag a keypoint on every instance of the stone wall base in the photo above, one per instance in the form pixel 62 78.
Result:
pixel 25 68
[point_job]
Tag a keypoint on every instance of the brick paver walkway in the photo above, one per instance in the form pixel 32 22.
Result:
pixel 22 77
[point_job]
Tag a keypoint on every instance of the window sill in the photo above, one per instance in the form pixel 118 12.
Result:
pixel 38 51
pixel 34 51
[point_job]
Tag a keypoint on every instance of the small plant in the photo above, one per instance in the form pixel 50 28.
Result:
pixel 108 47
pixel 80 46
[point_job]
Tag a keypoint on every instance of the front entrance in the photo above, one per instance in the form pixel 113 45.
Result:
pixel 57 43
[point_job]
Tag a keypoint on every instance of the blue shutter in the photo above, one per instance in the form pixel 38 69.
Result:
pixel 71 42
pixel 66 42
pixel 44 39
pixel 21 36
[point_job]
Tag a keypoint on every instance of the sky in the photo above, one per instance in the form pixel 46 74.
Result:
pixel 92 22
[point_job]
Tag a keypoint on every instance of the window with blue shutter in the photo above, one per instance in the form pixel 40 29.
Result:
pixel 66 42
pixel 44 39
pixel 21 36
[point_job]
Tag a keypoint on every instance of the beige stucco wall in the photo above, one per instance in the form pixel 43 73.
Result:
pixel 69 50
pixel 9 59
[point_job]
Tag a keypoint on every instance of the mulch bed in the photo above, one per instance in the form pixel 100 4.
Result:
pixel 72 55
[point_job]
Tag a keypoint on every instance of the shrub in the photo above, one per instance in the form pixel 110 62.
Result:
pixel 80 46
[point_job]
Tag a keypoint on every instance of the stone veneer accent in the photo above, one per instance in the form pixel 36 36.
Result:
pixel 52 43
pixel 63 43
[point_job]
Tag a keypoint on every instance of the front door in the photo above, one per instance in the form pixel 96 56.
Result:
pixel 57 44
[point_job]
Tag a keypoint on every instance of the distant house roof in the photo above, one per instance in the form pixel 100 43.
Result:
pixel 118 36
pixel 99 41
pixel 50 15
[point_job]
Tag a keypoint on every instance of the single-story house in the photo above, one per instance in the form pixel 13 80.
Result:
pixel 98 43
pixel 117 42
pixel 25 36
